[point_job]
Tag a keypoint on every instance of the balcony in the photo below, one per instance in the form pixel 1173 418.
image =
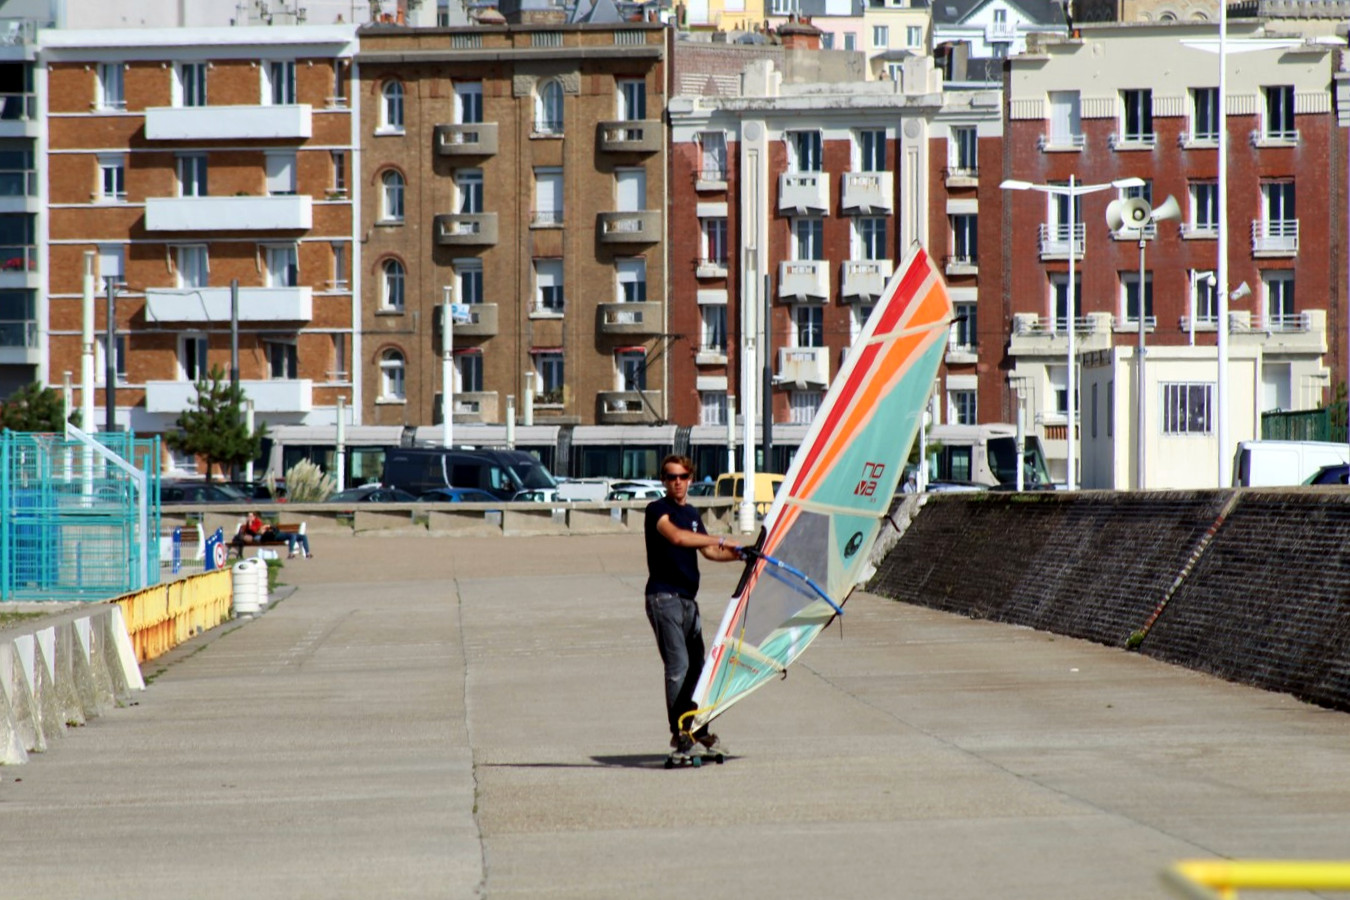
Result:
pixel 272 396
pixel 641 226
pixel 476 139
pixel 18 191
pixel 803 279
pixel 469 407
pixel 1275 138
pixel 961 264
pixel 800 193
pixel 482 322
pixel 711 179
pixel 466 229
pixel 961 176
pixel 1203 140
pixel 18 115
pixel 228 123
pixel 17 259
pixel 1054 241
pixel 1275 238
pixel 867 193
pixel 1000 32
pixel 803 366
pixel 1195 231
pixel 628 407
pixel 1061 143
pixel 863 280
pixel 711 268
pixel 212 304
pixel 635 136
pixel 285 212
pixel 19 342
pixel 629 318
pixel 1036 335
pixel 1303 333
pixel 1143 140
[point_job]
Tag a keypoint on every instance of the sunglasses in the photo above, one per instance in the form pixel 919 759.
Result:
pixel 676 476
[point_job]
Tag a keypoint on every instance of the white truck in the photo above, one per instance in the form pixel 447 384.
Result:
pixel 1275 463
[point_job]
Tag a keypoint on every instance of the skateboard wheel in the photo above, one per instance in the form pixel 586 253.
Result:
pixel 696 762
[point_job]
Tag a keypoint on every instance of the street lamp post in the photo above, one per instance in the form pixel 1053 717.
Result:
pixel 1072 191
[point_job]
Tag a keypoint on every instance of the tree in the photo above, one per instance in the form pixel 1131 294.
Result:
pixel 35 408
pixel 215 429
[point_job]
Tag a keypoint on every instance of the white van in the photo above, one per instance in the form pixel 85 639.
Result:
pixel 1276 463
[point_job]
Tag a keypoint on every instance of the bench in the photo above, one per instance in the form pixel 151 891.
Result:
pixel 270 539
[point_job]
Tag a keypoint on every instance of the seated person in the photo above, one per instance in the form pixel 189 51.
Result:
pixel 256 531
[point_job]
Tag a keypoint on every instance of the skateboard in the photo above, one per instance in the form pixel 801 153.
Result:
pixel 678 762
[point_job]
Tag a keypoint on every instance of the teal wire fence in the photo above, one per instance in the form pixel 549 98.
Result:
pixel 71 520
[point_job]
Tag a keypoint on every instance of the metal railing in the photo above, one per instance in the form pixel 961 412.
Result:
pixel 1279 236
pixel 19 333
pixel 18 183
pixel 18 257
pixel 20 107
pixel 1137 139
pixel 546 217
pixel 1278 136
pixel 1291 323
pixel 1061 142
pixel 718 174
pixel 1044 325
pixel 1054 239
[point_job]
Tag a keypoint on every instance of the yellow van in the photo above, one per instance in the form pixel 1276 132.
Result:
pixel 732 484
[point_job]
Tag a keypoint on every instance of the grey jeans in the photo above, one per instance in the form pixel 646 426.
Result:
pixel 679 637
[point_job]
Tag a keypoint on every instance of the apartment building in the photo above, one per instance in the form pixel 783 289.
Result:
pixel 187 160
pixel 798 198
pixel 21 275
pixel 519 170
pixel 1089 109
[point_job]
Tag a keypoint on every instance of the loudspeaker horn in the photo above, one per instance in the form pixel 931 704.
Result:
pixel 1170 209
pixel 1113 217
pixel 1136 212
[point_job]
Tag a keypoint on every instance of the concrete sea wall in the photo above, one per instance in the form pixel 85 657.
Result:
pixel 1250 585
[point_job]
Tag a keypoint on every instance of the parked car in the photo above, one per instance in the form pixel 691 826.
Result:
pixel 536 495
pixel 501 473
pixel 636 492
pixel 1274 463
pixel 174 492
pixel 458 495
pixel 701 489
pixel 1334 474
pixel 373 493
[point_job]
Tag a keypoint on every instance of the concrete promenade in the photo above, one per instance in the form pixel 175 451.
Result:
pixel 481 717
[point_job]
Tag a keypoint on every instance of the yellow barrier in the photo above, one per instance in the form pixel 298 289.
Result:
pixel 160 618
pixel 1220 879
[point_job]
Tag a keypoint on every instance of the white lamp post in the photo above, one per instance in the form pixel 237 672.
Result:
pixel 1073 190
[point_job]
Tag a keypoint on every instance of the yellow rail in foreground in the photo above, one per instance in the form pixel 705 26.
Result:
pixel 1220 879
pixel 161 617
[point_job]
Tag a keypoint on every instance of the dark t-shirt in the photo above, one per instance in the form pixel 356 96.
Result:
pixel 671 569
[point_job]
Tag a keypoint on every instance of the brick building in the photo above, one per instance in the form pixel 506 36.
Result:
pixel 185 160
pixel 1095 108
pixel 522 167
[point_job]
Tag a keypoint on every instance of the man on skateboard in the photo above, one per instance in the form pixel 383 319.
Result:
pixel 675 536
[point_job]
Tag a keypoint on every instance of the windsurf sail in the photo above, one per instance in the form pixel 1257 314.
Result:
pixel 820 528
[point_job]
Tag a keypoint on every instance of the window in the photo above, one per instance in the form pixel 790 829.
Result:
pixel 712 408
pixel 339 172
pixel 630 190
pixel 804 151
pixel 827 41
pixel 101 357
pixel 548 110
pixel 632 100
pixel 112 176
pixel 713 156
pixel 914 35
pixel 338 372
pixel 1065 119
pixel 1187 408
pixel 280 82
pixel 17 176
pixel 871 237
pixel 1279 287
pixel 1279 202
pixel 192 363
pixel 715 240
pixel 548 196
pixel 809 323
pixel 881 36
pixel 283 266
pixel 469 277
pixel 392 294
pixel 961 407
pixel 858 316
pixel 963 327
pixel 1129 285
pixel 1058 377
pixel 339 265
pixel 1137 116
pixel 850 40
pixel 392 370
pixel 391 197
pixel 469 184
pixel 808 238
pixel 191 84
pixel 110 95
pixel 1205 297
pixel 713 329
pixel 469 369
pixel 1204 208
pixel 1058 216
pixel 280 172
pixel 965 244
pixel 632 369
pixel 631 275
pixel 468 102
pixel 803 406
pixel 1205 115
pixel 1279 117
pixel 549 366
pixel 192 175
pixel 964 148
pixel 391 107
pixel 548 286
pixel 1059 295
pixel 194 266
pixel 872 150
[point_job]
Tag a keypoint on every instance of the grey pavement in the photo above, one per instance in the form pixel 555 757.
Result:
pixel 473 717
